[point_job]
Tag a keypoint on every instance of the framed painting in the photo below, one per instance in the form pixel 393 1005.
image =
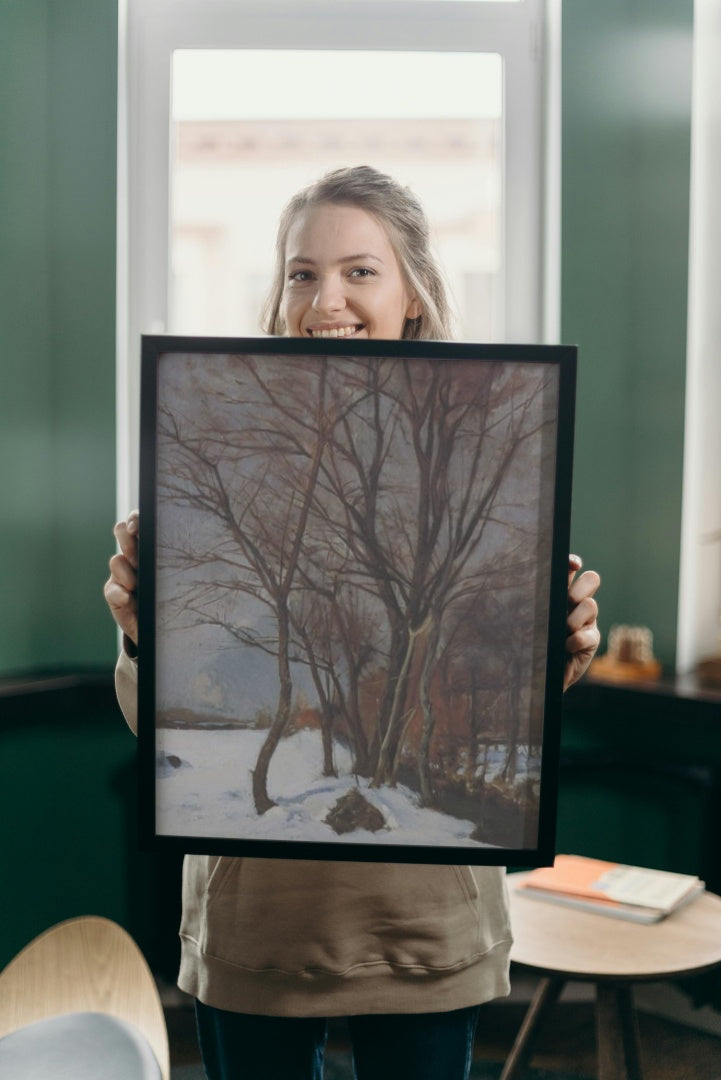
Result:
pixel 352 597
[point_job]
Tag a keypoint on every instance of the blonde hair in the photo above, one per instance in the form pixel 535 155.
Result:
pixel 403 217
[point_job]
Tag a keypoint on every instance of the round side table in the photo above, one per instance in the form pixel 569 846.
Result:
pixel 563 944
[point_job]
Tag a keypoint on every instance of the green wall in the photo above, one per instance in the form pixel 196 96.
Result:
pixel 67 776
pixel 626 137
pixel 58 72
pixel 626 105
pixel 625 200
pixel 625 212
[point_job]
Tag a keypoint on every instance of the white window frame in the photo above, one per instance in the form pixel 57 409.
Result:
pixel 526 34
pixel 699 597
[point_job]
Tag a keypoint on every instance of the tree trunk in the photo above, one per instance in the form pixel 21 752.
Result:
pixel 262 800
pixel 326 725
pixel 474 728
pixel 326 708
pixel 397 720
pixel 361 756
pixel 397 653
pixel 429 719
pixel 511 766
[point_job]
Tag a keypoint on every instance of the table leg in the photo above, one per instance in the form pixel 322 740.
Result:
pixel 617 1033
pixel 545 997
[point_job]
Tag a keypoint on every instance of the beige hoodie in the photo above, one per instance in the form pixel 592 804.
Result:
pixel 284 937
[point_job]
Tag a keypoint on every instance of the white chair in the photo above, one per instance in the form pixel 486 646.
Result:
pixel 80 1002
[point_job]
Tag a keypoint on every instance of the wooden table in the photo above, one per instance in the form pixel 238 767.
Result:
pixel 562 944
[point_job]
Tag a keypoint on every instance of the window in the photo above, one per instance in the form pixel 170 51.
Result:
pixel 236 160
pixel 227 107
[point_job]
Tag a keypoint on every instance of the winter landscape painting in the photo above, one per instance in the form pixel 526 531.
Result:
pixel 352 597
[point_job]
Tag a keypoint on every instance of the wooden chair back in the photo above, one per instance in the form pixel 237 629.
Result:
pixel 87 964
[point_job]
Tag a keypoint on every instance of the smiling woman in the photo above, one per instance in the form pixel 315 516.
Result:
pixel 353 259
pixel 331 292
pixel 328 513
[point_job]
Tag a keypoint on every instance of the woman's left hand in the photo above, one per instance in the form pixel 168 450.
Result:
pixel 583 635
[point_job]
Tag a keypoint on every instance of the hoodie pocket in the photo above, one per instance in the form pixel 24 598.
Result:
pixel 468 884
pixel 295 916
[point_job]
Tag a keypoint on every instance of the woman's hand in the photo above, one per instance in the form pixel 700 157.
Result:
pixel 583 635
pixel 121 587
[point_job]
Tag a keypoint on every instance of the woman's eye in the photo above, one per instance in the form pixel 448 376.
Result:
pixel 362 272
pixel 300 276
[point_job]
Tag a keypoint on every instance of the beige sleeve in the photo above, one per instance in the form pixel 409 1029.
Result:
pixel 126 687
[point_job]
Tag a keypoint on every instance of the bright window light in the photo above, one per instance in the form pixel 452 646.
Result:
pixel 222 84
pixel 434 121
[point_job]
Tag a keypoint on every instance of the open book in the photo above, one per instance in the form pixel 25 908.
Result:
pixel 608 888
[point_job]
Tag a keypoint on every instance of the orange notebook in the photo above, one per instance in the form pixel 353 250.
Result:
pixel 631 892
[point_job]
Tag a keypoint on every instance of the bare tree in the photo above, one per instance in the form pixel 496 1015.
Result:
pixel 419 483
pixel 260 522
pixel 337 632
pixel 359 509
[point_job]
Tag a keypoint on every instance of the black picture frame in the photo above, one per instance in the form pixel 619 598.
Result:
pixel 353 557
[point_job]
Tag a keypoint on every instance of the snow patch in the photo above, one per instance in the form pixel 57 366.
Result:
pixel 212 797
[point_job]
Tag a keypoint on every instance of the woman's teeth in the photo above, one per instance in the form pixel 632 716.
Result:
pixel 336 332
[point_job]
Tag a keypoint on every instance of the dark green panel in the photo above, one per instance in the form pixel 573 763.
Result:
pixel 626 146
pixel 68 784
pixel 641 777
pixel 82 272
pixel 26 484
pixel 643 821
pixel 64 784
pixel 58 75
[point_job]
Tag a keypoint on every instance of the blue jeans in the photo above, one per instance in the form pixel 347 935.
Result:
pixel 414 1046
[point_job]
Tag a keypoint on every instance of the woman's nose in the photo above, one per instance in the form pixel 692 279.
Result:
pixel 329 296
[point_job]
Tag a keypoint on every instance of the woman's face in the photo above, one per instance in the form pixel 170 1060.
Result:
pixel 342 277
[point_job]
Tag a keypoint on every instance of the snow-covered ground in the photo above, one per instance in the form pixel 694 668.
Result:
pixel 209 794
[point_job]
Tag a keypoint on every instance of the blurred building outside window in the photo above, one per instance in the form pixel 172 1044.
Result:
pixel 235 162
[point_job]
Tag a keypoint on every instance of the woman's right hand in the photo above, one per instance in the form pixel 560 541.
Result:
pixel 121 587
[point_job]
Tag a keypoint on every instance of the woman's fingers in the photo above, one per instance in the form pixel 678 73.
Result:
pixel 583 612
pixel 123 607
pixel 582 633
pixel 121 587
pixel 126 534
